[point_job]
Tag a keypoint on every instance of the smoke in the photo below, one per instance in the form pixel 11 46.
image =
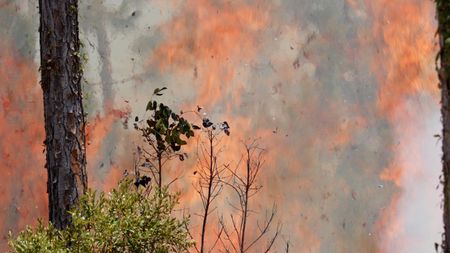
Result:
pixel 23 184
pixel 22 191
pixel 408 98
pixel 343 96
pixel 414 170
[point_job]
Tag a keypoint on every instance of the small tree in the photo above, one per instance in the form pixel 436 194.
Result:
pixel 244 184
pixel 210 174
pixel 140 219
pixel 164 131
pixel 130 219
pixel 126 220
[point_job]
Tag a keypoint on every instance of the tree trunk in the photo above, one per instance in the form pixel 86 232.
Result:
pixel 443 11
pixel 63 110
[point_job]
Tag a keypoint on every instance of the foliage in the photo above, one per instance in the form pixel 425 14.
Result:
pixel 166 126
pixel 128 219
pixel 165 131
pixel 134 218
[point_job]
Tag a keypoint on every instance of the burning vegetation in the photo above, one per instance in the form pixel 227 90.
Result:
pixel 341 95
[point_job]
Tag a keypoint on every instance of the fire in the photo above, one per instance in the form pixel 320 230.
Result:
pixel 406 30
pixel 212 44
pixel 23 195
pixel 211 41
pixel 212 49
pixel 404 66
pixel 98 129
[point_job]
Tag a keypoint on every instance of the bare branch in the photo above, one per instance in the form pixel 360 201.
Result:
pixel 218 236
pixel 264 229
pixel 227 234
pixel 243 182
pixel 209 182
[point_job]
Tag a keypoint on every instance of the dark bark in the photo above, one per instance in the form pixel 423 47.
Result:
pixel 159 155
pixel 63 110
pixel 209 185
pixel 443 11
pixel 245 201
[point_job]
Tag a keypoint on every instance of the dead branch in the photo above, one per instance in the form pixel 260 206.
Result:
pixel 244 185
pixel 210 183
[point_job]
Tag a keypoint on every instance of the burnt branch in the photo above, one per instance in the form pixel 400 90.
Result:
pixel 209 173
pixel 244 184
pixel 209 184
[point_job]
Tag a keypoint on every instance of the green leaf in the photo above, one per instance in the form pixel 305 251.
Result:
pixel 176 148
pixel 126 220
pixel 175 116
pixel 149 106
pixel 157 91
pixel 151 123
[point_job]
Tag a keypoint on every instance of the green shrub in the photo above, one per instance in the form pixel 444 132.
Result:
pixel 126 220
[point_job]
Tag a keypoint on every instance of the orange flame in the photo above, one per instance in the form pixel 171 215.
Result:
pixel 404 67
pixel 22 195
pixel 406 30
pixel 223 35
pixel 97 130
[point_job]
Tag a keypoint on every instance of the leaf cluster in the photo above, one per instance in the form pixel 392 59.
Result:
pixel 165 127
pixel 126 220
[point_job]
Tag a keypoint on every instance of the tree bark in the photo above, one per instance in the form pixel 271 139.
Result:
pixel 443 11
pixel 63 110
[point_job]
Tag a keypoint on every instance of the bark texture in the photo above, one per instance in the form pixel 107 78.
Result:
pixel 63 110
pixel 443 11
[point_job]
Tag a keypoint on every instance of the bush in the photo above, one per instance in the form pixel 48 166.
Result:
pixel 126 220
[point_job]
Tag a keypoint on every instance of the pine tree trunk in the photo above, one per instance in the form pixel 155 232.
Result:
pixel 63 110
pixel 443 10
